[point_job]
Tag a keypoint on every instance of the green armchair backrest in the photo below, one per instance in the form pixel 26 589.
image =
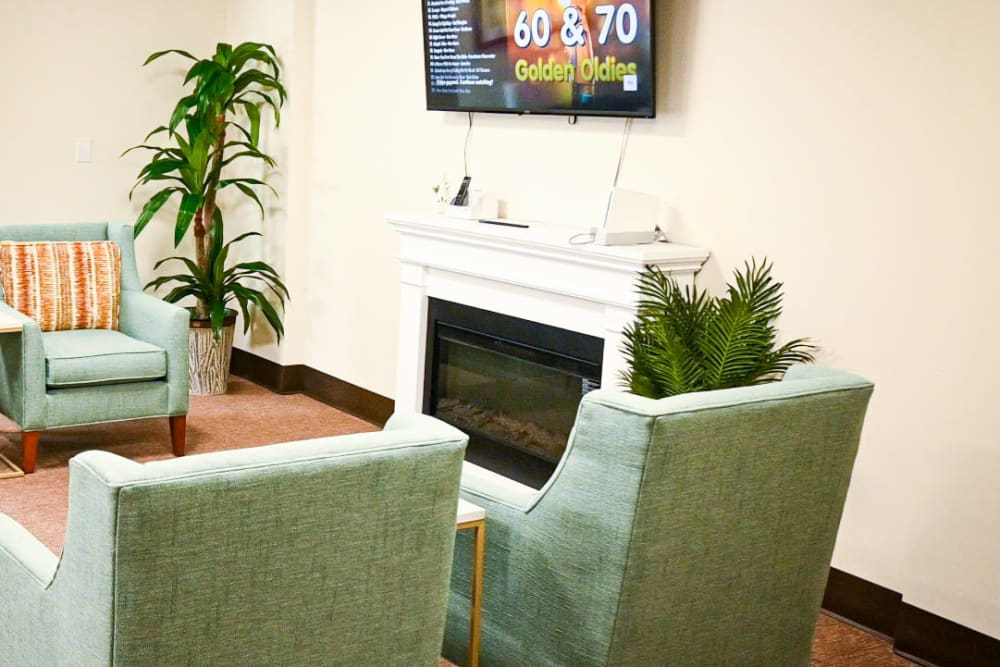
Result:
pixel 335 551
pixel 692 530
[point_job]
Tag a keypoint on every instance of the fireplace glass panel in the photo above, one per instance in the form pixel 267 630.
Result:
pixel 516 400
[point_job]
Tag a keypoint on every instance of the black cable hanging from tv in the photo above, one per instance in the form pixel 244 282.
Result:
pixel 468 136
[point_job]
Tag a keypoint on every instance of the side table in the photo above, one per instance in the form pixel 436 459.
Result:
pixel 9 325
pixel 473 517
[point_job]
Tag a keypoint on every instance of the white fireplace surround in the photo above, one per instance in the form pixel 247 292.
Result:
pixel 536 274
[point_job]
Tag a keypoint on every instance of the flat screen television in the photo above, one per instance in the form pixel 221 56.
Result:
pixel 572 57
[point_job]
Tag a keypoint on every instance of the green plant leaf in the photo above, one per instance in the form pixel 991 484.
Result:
pixel 265 270
pixel 262 98
pixel 156 131
pixel 217 316
pixel 249 192
pixel 258 299
pixel 179 278
pixel 225 183
pixel 180 111
pixel 266 159
pixel 273 283
pixel 160 54
pixel 253 113
pixel 200 69
pixel 254 51
pixel 178 293
pixel 223 53
pixel 215 234
pixel 242 236
pixel 193 269
pixel 190 203
pixel 154 204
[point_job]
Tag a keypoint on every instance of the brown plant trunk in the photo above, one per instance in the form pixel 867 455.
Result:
pixel 206 216
pixel 201 309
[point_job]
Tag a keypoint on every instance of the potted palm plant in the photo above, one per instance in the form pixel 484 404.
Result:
pixel 687 340
pixel 214 129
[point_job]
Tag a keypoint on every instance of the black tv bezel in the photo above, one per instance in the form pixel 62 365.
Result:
pixel 548 111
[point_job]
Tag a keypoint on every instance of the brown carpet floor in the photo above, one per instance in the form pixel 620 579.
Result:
pixel 247 416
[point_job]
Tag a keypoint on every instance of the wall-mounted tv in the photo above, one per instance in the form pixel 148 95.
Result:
pixel 574 57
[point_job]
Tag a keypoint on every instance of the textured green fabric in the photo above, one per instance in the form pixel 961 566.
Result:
pixel 23 395
pixel 25 553
pixel 693 530
pixel 22 374
pixel 335 551
pixel 81 357
pixel 165 325
pixel 78 231
pixel 124 236
pixel 77 406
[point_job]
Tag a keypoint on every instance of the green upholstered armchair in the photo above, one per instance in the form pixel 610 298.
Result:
pixel 692 530
pixel 333 551
pixel 88 376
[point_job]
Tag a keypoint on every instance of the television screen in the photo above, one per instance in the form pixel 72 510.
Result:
pixel 575 57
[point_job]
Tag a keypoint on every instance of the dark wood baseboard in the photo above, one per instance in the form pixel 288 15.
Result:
pixel 862 603
pixel 300 379
pixel 348 397
pixel 279 379
pixel 915 634
pixel 931 639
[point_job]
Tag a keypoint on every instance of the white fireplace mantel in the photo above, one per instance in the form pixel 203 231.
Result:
pixel 541 273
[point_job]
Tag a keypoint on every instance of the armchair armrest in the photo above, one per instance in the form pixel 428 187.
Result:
pixel 484 487
pixel 155 321
pixel 478 484
pixel 406 420
pixel 22 372
pixel 21 553
pixel 30 624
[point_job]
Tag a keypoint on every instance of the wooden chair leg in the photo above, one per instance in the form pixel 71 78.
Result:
pixel 29 444
pixel 178 426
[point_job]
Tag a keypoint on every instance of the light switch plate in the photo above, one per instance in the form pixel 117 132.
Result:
pixel 84 146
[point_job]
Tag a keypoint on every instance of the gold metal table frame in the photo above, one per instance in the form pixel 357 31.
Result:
pixel 472 517
pixel 13 471
pixel 9 325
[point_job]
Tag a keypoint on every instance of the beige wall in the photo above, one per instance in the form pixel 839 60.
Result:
pixel 74 70
pixel 853 143
pixel 287 25
pixel 77 73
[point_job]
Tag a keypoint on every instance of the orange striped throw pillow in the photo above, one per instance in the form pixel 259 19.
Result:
pixel 63 285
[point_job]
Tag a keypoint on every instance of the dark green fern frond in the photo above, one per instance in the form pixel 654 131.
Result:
pixel 686 340
pixel 660 342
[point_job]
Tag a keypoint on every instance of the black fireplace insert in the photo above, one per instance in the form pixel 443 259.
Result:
pixel 511 384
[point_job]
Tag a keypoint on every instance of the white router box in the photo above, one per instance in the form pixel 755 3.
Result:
pixel 629 219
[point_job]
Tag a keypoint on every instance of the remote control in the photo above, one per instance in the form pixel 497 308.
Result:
pixel 462 196
pixel 504 223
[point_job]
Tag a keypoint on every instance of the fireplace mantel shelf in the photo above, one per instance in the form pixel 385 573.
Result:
pixel 535 273
pixel 546 240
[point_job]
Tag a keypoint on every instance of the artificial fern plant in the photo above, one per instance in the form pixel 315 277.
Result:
pixel 214 129
pixel 686 340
